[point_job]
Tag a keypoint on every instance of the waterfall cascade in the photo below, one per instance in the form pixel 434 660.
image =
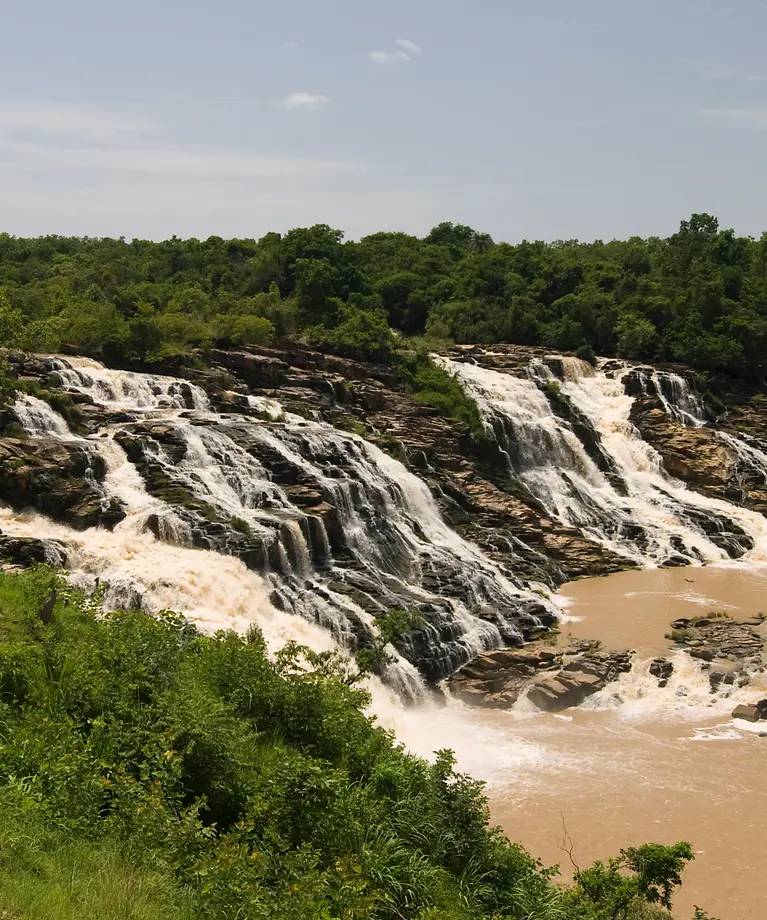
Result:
pixel 338 531
pixel 687 407
pixel 572 444
pixel 259 514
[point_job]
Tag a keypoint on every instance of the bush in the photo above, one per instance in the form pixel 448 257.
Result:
pixel 434 386
pixel 148 771
pixel 361 335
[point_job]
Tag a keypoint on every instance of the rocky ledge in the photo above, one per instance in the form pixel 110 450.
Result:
pixel 59 479
pixel 552 679
pixel 731 650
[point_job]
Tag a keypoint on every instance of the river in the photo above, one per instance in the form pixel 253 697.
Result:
pixel 656 765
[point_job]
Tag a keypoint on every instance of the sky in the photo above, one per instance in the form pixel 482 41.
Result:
pixel 552 119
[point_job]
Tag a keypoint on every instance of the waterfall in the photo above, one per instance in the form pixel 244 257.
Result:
pixel 334 531
pixel 39 420
pixel 679 400
pixel 646 515
pixel 128 390
pixel 685 406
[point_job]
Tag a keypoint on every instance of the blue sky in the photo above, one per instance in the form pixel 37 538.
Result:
pixel 553 119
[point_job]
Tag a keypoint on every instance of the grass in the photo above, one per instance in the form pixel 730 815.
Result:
pixel 44 876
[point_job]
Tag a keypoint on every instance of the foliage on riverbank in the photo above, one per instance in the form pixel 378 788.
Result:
pixel 147 771
pixel 699 296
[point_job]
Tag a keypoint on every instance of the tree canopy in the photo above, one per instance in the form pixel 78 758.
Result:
pixel 698 297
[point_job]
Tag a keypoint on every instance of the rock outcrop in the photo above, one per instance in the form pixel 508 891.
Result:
pixel 551 679
pixel 731 650
pixel 58 479
pixel 26 551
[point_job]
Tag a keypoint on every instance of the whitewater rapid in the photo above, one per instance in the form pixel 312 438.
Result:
pixel 629 503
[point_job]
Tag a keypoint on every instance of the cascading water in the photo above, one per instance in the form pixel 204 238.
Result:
pixel 678 399
pixel 238 485
pixel 685 406
pixel 633 507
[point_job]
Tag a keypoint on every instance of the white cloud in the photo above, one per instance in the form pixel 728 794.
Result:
pixel 408 45
pixel 402 53
pixel 747 116
pixel 722 73
pixel 66 119
pixel 304 101
pixel 293 46
pixel 388 57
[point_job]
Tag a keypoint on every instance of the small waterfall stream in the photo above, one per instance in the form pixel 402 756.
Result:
pixel 685 406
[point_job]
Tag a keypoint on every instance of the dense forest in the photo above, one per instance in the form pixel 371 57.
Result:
pixel 152 773
pixel 698 297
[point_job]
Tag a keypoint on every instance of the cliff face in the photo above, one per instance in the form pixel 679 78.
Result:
pixel 548 497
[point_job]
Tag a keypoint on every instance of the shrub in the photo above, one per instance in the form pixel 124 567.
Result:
pixel 434 386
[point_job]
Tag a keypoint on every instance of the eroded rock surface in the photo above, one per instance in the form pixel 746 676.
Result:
pixel 552 679
pixel 58 479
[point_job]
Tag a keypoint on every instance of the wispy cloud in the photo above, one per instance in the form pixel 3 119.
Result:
pixel 81 121
pixel 402 53
pixel 408 45
pixel 387 57
pixel 293 46
pixel 297 101
pixel 745 116
pixel 722 73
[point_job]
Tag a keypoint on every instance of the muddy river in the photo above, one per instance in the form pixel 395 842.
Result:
pixel 636 763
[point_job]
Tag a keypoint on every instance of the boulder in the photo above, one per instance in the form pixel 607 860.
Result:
pixel 567 689
pixel 662 668
pixel 752 712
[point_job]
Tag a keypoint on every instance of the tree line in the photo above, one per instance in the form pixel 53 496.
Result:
pixel 697 297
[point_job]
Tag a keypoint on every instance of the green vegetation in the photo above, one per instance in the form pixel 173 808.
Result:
pixel 149 772
pixel 680 635
pixel 699 296
pixel 435 387
pixel 392 626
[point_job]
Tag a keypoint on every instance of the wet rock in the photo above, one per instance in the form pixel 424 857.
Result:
pixel 25 551
pixel 553 694
pixel 553 679
pixel 663 669
pixel 755 712
pixel 59 479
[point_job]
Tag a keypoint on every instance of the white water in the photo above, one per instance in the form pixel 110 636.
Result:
pixel 657 518
pixel 686 406
pixel 398 551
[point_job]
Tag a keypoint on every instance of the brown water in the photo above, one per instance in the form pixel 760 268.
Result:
pixel 641 763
